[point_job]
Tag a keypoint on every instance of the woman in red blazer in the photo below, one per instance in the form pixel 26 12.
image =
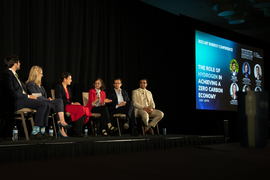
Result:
pixel 96 104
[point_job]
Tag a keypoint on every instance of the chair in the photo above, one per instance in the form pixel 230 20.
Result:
pixel 142 124
pixel 24 112
pixel 118 117
pixel 95 118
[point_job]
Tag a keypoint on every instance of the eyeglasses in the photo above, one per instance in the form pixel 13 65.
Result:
pixel 97 83
pixel 117 83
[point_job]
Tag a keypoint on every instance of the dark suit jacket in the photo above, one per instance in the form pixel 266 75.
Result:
pixel 61 93
pixel 112 95
pixel 12 91
pixel 34 88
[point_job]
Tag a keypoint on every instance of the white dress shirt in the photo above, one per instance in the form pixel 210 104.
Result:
pixel 119 97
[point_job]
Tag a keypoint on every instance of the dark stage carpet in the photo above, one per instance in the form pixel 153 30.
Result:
pixel 217 162
pixel 25 151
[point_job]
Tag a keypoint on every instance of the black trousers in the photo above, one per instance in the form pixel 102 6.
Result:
pixel 78 126
pixel 105 118
pixel 128 110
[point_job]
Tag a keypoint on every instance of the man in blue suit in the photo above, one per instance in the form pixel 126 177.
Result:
pixel 122 104
pixel 16 97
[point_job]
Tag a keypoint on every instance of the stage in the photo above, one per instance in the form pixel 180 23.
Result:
pixel 25 151
pixel 151 157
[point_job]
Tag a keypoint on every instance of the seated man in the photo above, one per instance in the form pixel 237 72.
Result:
pixel 122 104
pixel 145 107
pixel 16 97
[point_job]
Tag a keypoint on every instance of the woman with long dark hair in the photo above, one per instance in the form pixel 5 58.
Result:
pixel 79 113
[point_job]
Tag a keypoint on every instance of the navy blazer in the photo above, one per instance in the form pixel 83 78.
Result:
pixel 61 93
pixel 112 95
pixel 34 88
pixel 12 90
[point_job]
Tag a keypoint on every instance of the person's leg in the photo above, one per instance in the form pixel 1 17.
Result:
pixel 144 115
pixel 158 115
pixel 39 106
pixel 79 125
pixel 105 118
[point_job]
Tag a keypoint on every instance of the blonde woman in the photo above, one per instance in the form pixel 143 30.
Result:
pixel 33 85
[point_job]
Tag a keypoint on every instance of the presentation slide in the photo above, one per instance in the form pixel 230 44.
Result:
pixel 223 68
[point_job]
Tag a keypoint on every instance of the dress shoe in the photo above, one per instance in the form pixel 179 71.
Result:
pixel 151 131
pixel 46 136
pixel 37 136
pixel 126 126
pixel 145 130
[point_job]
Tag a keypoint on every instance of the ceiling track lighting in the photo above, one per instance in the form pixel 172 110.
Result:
pixel 223 7
pixel 236 10
pixel 263 5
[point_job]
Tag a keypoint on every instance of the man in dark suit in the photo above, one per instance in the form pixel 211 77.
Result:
pixel 122 104
pixel 16 97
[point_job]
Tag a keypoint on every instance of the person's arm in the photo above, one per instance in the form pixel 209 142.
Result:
pixel 152 103
pixel 134 99
pixel 59 90
pixel 104 100
pixel 112 105
pixel 92 98
pixel 32 88
pixel 125 96
pixel 7 81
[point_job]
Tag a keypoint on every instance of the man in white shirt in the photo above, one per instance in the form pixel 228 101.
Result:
pixel 122 104
pixel 145 107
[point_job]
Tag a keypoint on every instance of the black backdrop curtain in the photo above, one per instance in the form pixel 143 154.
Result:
pixel 89 39
pixel 94 38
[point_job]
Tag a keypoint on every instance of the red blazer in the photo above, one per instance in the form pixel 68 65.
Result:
pixel 93 95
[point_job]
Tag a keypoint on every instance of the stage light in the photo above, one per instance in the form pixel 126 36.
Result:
pixel 226 9
pixel 223 7
pixel 261 3
pixel 237 18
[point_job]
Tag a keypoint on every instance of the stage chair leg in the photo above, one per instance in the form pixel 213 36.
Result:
pixel 54 126
pixel 119 131
pixel 24 126
pixel 157 129
pixel 92 127
pixel 142 127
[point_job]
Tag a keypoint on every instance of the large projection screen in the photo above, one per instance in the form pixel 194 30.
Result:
pixel 223 68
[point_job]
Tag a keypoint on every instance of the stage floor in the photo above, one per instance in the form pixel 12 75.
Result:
pixel 215 161
pixel 23 151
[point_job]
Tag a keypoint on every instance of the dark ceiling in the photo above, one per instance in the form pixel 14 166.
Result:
pixel 256 24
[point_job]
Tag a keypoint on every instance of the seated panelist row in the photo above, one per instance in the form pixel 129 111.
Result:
pixel 117 102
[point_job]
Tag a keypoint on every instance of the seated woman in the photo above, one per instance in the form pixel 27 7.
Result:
pixel 79 113
pixel 33 85
pixel 96 104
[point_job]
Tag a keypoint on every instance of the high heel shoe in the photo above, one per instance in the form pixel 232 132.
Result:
pixel 66 126
pixel 60 135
